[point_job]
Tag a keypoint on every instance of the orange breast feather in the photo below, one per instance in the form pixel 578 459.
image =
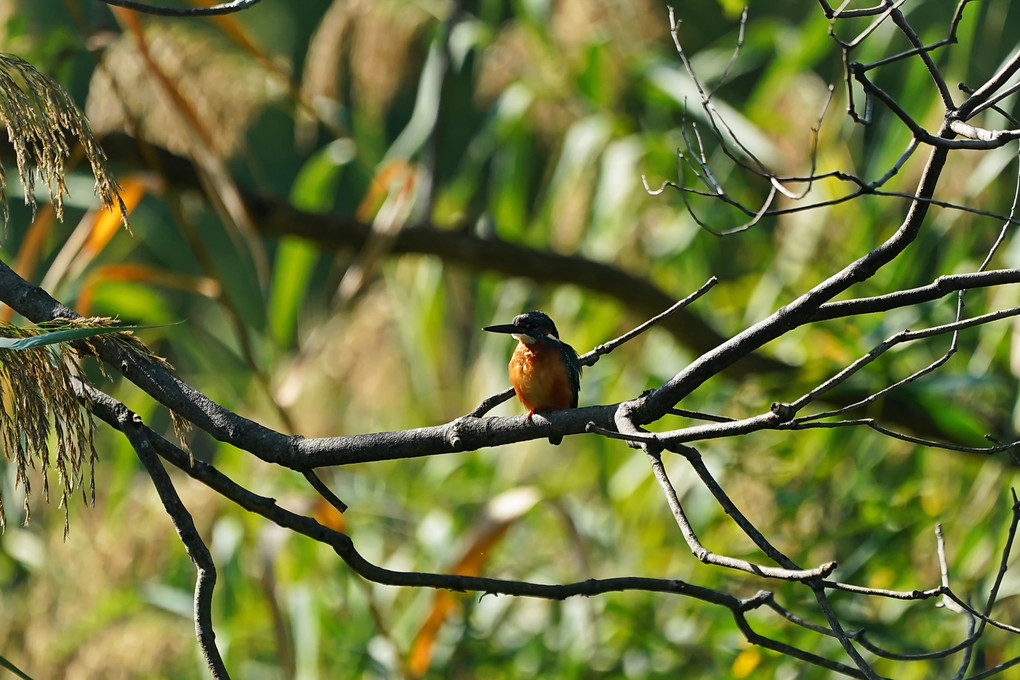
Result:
pixel 540 378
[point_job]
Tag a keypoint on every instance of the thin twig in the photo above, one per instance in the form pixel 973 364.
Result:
pixel 837 630
pixel 944 571
pixel 887 344
pixel 884 592
pixel 698 415
pixel 877 427
pixel 324 491
pixel 707 556
pixel 963 646
pixel 132 427
pixel 589 358
pixel 995 670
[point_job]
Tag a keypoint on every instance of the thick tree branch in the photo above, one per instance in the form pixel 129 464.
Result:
pixel 109 410
pixel 112 412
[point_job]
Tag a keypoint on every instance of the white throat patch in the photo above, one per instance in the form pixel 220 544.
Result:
pixel 531 339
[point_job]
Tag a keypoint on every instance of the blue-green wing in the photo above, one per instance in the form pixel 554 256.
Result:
pixel 574 369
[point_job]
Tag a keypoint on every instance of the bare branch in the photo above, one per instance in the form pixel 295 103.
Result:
pixel 838 632
pixel 995 670
pixel 965 645
pixel 109 410
pixel 931 443
pixel 923 53
pixel 324 491
pixel 707 556
pixel 944 571
pixel 940 287
pixel 652 406
pixel 131 425
pixel 883 592
pixel 984 94
pixel 881 348
pixel 589 358
pixel 693 456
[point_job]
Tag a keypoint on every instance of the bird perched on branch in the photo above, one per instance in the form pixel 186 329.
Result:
pixel 544 370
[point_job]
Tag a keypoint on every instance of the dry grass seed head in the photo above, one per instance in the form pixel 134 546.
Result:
pixel 38 396
pixel 41 120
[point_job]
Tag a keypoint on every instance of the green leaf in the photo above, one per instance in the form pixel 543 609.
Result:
pixel 63 335
pixel 295 263
pixel 316 184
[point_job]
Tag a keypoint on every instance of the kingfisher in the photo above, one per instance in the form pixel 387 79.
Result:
pixel 544 370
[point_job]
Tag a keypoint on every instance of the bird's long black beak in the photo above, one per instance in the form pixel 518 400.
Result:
pixel 503 328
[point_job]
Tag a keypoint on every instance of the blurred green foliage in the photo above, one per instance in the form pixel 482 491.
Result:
pixel 545 119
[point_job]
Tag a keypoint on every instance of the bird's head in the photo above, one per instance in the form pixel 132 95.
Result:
pixel 529 328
